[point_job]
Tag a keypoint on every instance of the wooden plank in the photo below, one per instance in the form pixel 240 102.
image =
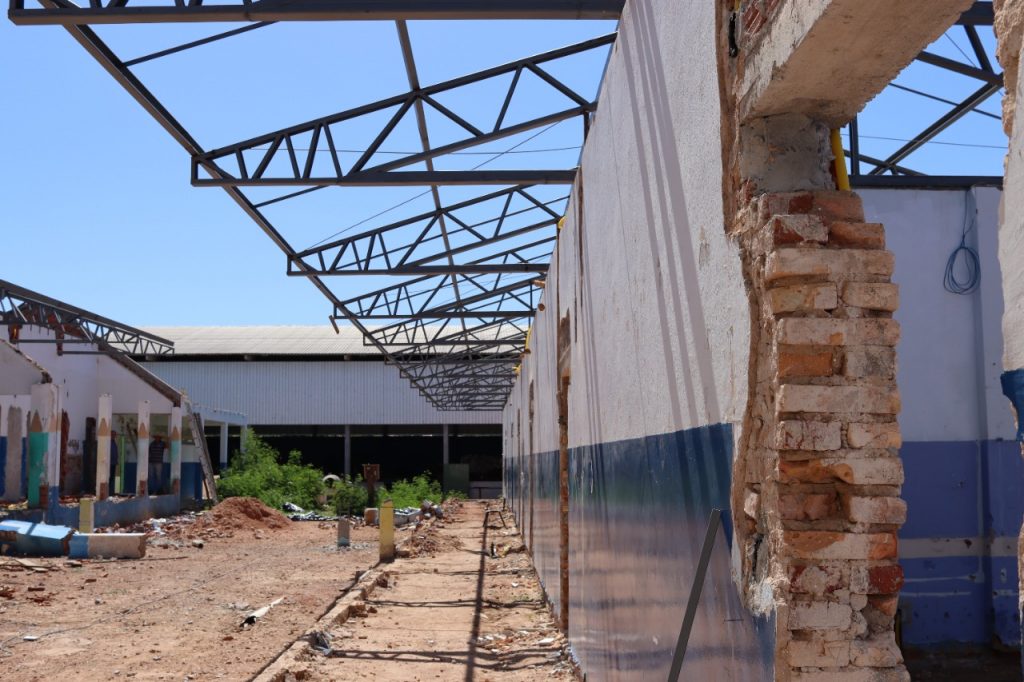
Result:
pixel 199 437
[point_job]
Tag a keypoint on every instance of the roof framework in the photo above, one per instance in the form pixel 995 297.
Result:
pixel 895 169
pixel 462 281
pixel 72 325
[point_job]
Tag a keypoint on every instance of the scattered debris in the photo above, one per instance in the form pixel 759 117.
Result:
pixel 251 619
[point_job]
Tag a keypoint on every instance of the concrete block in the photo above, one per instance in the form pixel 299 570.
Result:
pixel 819 654
pixel 819 615
pixel 838 399
pixel 872 295
pixel 856 235
pixel 829 332
pixel 797 434
pixel 863 471
pixel 803 297
pixel 833 545
pixel 878 435
pixel 869 361
pixel 880 651
pixel 831 263
pixel 108 546
pixel 875 509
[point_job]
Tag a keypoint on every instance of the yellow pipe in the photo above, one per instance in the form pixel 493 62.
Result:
pixel 842 178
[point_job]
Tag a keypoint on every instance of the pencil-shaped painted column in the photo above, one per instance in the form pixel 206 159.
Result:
pixel 174 432
pixel 103 427
pixel 43 445
pixel 142 450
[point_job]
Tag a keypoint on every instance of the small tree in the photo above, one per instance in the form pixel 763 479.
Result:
pixel 258 472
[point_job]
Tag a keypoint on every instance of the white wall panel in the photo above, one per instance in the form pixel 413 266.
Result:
pixel 310 393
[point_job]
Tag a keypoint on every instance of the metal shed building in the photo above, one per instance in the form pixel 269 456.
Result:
pixel 329 396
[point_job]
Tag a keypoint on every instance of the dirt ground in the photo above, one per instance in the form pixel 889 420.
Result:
pixel 175 614
pixel 453 612
pixel 450 608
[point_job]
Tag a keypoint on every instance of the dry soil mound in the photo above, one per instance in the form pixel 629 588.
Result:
pixel 243 513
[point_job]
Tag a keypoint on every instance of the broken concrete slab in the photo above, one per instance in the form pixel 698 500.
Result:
pixel 108 545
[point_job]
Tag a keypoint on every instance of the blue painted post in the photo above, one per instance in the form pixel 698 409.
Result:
pixel 174 433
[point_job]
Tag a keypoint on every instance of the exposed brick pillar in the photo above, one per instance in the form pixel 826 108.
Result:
pixel 822 475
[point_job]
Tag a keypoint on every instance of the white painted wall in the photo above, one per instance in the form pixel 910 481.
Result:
pixel 310 393
pixel 1011 240
pixel 654 287
pixel 83 378
pixel 17 372
pixel 949 355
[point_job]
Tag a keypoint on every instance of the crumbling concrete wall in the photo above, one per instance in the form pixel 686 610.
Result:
pixel 1009 27
pixel 731 347
pixel 648 290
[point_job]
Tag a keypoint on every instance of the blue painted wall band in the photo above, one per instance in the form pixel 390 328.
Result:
pixel 1013 388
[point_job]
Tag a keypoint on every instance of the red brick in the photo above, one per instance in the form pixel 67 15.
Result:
pixel 839 206
pixel 885 579
pixel 805 364
pixel 817 579
pixel 808 506
pixel 886 604
pixel 856 235
pixel 797 229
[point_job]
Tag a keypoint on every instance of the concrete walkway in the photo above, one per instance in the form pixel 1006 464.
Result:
pixel 450 612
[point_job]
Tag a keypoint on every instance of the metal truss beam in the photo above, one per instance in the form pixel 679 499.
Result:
pixel 411 244
pixel 19 306
pixel 164 11
pixel 979 14
pixel 426 298
pixel 406 178
pixel 421 332
pixel 290 167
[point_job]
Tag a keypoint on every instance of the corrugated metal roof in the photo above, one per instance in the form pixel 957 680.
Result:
pixel 265 340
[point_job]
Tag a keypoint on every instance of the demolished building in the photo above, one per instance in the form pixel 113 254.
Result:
pixel 733 439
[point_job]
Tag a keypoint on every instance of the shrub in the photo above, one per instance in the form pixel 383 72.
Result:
pixel 406 493
pixel 258 472
pixel 350 495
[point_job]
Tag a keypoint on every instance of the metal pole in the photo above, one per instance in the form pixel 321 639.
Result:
pixel 348 451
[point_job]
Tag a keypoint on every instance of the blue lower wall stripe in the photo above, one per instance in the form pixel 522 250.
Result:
pixel 638 515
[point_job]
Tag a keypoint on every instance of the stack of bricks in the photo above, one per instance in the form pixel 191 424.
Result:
pixel 822 477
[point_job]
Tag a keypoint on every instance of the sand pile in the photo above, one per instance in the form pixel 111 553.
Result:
pixel 242 513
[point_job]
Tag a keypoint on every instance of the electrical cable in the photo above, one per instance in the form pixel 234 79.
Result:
pixel 480 165
pixel 970 276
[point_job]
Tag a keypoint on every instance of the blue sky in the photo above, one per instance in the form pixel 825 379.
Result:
pixel 97 202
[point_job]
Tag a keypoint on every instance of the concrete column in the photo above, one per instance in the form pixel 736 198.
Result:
pixel 12 431
pixel 445 451
pixel 348 450
pixel 241 436
pixel 174 436
pixel 142 450
pixel 387 531
pixel 223 446
pixel 44 445
pixel 103 428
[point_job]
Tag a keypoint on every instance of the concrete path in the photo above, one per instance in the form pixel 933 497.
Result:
pixel 450 612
